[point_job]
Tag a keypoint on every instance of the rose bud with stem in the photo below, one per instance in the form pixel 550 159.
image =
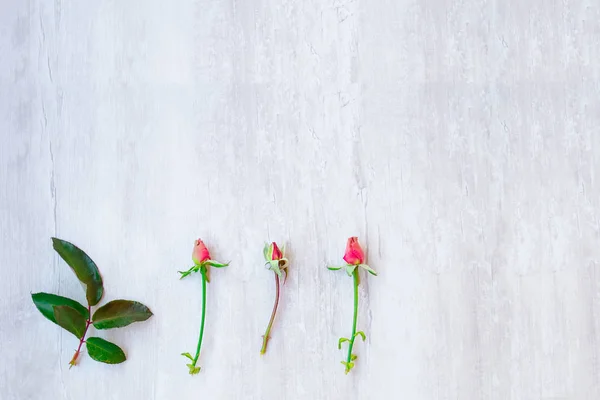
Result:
pixel 276 262
pixel 354 257
pixel 202 262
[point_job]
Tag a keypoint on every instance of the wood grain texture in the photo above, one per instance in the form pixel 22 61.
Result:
pixel 460 140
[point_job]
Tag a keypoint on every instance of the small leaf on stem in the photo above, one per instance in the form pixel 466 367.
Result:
pixel 193 369
pixel 342 340
pixel 348 365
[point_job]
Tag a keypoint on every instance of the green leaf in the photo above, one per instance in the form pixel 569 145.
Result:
pixel 362 334
pixel 104 351
pixel 193 369
pixel 353 357
pixel 69 318
pixel 85 269
pixel 119 313
pixel 368 269
pixel 333 268
pixel 188 355
pixel 348 365
pixel 45 302
pixel 342 340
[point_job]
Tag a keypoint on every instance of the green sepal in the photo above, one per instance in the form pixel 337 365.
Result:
pixel 215 264
pixel 342 340
pixel 268 252
pixel 193 369
pixel 361 334
pixel 368 269
pixel 193 269
pixel 350 269
pixel 205 272
pixel 188 355
pixel 273 265
pixel 333 268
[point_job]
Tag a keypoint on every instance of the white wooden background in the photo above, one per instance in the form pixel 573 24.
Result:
pixel 460 140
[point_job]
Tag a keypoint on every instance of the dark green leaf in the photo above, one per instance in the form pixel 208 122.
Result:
pixel 45 302
pixel 104 351
pixel 70 319
pixel 83 266
pixel 119 313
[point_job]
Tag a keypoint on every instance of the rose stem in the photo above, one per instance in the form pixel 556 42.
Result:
pixel 266 335
pixel 355 276
pixel 203 273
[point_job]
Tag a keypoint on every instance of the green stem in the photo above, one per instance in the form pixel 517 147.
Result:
pixel 354 319
pixel 268 331
pixel 203 273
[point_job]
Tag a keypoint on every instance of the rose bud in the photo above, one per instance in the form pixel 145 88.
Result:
pixel 200 253
pixel 275 252
pixel 354 253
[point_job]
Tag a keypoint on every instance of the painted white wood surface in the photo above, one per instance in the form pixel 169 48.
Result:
pixel 460 140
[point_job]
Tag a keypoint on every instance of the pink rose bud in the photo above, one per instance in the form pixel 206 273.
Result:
pixel 354 253
pixel 200 253
pixel 276 252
